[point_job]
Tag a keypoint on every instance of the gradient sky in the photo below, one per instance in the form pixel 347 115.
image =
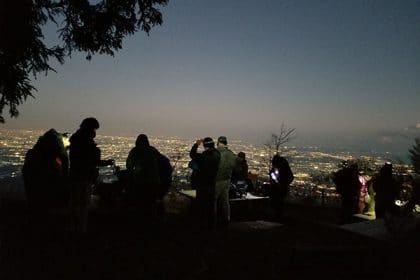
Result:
pixel 342 72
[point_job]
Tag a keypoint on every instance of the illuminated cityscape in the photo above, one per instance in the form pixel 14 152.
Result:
pixel 312 166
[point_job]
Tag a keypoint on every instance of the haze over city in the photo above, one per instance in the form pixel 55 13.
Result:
pixel 340 72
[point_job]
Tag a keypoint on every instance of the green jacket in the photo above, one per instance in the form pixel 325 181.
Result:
pixel 226 165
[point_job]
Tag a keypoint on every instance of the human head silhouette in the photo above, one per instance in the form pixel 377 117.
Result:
pixel 208 143
pixel 90 123
pixel 241 155
pixel 222 140
pixel 386 170
pixel 142 141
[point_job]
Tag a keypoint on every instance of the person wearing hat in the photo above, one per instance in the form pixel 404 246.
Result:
pixel 207 167
pixel 223 179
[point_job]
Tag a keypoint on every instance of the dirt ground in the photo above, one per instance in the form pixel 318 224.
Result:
pixel 119 245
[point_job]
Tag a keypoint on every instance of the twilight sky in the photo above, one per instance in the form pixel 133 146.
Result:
pixel 340 72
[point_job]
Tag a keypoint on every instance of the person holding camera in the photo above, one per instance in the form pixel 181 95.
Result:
pixel 85 157
pixel 207 167
pixel 280 178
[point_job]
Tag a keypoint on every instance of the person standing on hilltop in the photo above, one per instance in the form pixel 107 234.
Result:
pixel 348 186
pixel 223 181
pixel 143 166
pixel 85 157
pixel 194 171
pixel 45 176
pixel 280 178
pixel 207 168
pixel 386 191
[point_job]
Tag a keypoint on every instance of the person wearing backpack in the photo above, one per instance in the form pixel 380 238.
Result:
pixel 194 174
pixel 280 178
pixel 207 168
pixel 45 175
pixel 165 175
pixel 145 177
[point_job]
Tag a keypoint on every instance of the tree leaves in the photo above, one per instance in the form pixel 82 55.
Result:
pixel 93 28
pixel 415 155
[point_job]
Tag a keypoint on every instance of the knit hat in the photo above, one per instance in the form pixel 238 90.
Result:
pixel 208 142
pixel 222 139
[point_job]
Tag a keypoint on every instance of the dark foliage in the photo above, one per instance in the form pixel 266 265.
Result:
pixel 88 26
pixel 415 156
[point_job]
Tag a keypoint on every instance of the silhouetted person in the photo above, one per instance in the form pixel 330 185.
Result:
pixel 240 173
pixel 348 187
pixel 143 166
pixel 223 181
pixel 208 164
pixel 386 192
pixel 85 157
pixel 165 176
pixel 280 178
pixel 45 174
pixel 194 174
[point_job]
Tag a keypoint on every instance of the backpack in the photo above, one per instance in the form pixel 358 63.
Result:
pixel 45 169
pixel 165 174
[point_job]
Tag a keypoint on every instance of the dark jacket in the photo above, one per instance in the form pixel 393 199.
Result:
pixel 387 191
pixel 165 174
pixel 347 183
pixel 84 155
pixel 208 164
pixel 45 170
pixel 240 172
pixel 280 176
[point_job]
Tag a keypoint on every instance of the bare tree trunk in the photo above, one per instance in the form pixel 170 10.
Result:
pixel 274 144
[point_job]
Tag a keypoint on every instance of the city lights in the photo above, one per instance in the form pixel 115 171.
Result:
pixel 312 166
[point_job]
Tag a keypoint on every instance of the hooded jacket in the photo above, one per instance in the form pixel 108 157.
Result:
pixel 142 163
